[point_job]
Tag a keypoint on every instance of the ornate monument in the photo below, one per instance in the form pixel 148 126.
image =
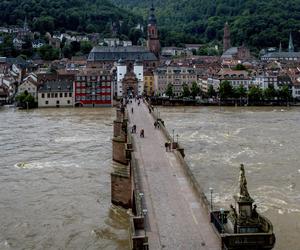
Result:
pixel 242 227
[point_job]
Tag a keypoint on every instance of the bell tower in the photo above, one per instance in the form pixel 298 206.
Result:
pixel 153 43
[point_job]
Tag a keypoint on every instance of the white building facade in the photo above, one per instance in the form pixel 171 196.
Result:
pixel 55 94
pixel 138 70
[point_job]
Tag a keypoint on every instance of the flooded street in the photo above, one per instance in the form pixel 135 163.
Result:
pixel 55 171
pixel 266 140
pixel 55 180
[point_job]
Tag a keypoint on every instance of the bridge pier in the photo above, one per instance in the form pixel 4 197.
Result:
pixel 125 191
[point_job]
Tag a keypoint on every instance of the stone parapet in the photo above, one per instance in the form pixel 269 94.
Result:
pixel 121 192
pixel 119 146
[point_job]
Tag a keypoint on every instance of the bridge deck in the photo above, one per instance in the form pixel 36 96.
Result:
pixel 176 218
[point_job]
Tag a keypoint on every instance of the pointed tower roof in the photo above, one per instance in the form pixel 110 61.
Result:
pixel 152 18
pixel 291 44
pixel 25 25
pixel 243 196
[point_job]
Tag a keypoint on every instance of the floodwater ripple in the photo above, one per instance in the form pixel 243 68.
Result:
pixel 266 140
pixel 55 180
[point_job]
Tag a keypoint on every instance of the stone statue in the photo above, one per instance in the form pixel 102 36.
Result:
pixel 233 211
pixel 243 183
pixel 254 212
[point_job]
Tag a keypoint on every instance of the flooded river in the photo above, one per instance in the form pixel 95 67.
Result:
pixel 266 140
pixel 55 169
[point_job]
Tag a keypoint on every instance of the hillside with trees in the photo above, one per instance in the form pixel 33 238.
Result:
pixel 256 23
pixel 75 15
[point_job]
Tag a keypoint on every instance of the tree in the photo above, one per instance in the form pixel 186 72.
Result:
pixel 240 91
pixel 185 91
pixel 90 28
pixel 26 100
pixel 135 35
pixel 67 52
pixel 44 24
pixel 269 93
pixel 225 90
pixel 75 46
pixel 240 67
pixel 211 91
pixel 47 52
pixel 169 90
pixel 195 90
pixel 85 47
pixel 255 93
pixel 284 92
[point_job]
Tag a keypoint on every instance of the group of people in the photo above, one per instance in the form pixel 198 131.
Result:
pixel 168 146
pixel 133 131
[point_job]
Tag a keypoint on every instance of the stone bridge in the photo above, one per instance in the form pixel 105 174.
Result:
pixel 169 209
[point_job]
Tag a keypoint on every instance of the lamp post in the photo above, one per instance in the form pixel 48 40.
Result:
pixel 173 130
pixel 211 203
pixel 141 195
pixel 145 211
pixel 222 222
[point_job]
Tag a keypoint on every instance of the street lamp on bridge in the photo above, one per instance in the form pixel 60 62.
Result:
pixel 211 202
pixel 145 211
pixel 222 219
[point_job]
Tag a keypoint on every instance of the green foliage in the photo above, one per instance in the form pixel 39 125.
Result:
pixel 255 93
pixel 135 35
pixel 26 100
pixel 6 48
pixel 211 91
pixel 77 15
pixel 284 93
pixel 269 93
pixel 85 47
pixel 67 52
pixel 207 51
pixel 255 22
pixel 44 24
pixel 47 52
pixel 185 90
pixel 240 91
pixel 225 90
pixel 75 46
pixel 195 90
pixel 169 90
pixel 240 67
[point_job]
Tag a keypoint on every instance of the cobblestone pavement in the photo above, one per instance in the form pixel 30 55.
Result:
pixel 176 218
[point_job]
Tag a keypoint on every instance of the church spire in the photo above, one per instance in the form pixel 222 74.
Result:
pixel 291 44
pixel 152 18
pixel 153 43
pixel 25 25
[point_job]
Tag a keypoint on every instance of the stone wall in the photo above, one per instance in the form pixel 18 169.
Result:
pixel 121 190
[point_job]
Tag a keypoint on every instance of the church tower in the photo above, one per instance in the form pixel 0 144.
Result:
pixel 153 43
pixel 291 44
pixel 226 38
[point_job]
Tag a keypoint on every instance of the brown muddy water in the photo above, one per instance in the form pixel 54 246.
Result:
pixel 266 140
pixel 55 169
